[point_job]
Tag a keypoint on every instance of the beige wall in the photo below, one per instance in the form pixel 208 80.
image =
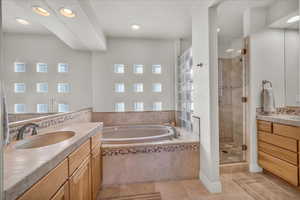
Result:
pixel 129 52
pixel 48 49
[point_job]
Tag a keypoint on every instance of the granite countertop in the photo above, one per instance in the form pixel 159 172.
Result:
pixel 24 167
pixel 292 120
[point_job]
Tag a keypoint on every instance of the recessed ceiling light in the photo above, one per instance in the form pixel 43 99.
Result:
pixel 229 50
pixel 135 27
pixel 67 12
pixel 293 19
pixel 22 21
pixel 218 30
pixel 40 11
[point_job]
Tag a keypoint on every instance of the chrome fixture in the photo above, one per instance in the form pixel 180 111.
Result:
pixel 22 130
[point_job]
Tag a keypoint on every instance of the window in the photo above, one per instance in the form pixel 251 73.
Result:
pixel 119 87
pixel 63 87
pixel 120 107
pixel 119 68
pixel 42 87
pixel 63 107
pixel 19 108
pixel 41 67
pixel 138 106
pixel 157 106
pixel 42 108
pixel 63 68
pixel 156 87
pixel 20 67
pixel 138 69
pixel 138 87
pixel 156 69
pixel 20 87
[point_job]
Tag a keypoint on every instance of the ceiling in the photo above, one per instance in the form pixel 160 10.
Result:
pixel 159 19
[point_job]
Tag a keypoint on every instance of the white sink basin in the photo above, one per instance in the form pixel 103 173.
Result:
pixel 44 140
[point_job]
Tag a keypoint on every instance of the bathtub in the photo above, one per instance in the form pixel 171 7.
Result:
pixel 136 134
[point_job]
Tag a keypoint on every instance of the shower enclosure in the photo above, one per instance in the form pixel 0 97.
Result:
pixel 232 83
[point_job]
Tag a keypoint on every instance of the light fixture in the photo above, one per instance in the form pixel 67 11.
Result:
pixel 293 19
pixel 135 27
pixel 218 30
pixel 229 50
pixel 67 12
pixel 40 11
pixel 22 21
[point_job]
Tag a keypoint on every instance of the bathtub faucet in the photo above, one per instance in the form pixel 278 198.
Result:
pixel 176 133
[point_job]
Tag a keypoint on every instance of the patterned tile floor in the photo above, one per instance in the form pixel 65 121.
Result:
pixel 236 186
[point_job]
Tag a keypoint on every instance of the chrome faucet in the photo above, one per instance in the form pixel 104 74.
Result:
pixel 22 130
pixel 176 133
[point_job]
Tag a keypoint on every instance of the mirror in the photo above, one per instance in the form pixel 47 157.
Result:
pixel 42 75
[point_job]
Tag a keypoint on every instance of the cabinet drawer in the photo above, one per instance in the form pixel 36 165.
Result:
pixel 48 185
pixel 278 152
pixel 287 131
pixel 283 142
pixel 264 126
pixel 78 156
pixel 95 140
pixel 278 167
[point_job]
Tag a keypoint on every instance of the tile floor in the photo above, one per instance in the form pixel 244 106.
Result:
pixel 236 186
pixel 230 153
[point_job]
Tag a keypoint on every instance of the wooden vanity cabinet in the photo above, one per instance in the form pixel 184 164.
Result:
pixel 80 182
pixel 96 171
pixel 78 177
pixel 278 150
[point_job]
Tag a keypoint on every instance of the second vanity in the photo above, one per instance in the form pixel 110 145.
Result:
pixel 67 170
pixel 279 146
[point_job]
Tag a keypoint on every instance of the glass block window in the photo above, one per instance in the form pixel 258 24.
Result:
pixel 41 67
pixel 63 88
pixel 19 108
pixel 42 108
pixel 157 106
pixel 138 106
pixel 119 87
pixel 138 69
pixel 62 107
pixel 120 107
pixel 156 87
pixel 138 87
pixel 42 87
pixel 20 87
pixel 20 67
pixel 63 68
pixel 156 69
pixel 119 68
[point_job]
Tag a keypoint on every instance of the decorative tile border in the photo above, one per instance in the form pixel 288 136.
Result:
pixel 155 148
pixel 52 120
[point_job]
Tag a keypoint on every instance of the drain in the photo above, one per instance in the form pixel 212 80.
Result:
pixel 225 151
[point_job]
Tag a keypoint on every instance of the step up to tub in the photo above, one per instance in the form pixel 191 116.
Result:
pixel 148 196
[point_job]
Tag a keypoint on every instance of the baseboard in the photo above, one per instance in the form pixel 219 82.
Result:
pixel 254 168
pixel 212 187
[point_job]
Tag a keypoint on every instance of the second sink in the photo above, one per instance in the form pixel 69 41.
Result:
pixel 44 140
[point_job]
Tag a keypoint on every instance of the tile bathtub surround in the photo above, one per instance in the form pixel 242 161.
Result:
pixel 53 121
pixel 150 163
pixel 235 186
pixel 126 118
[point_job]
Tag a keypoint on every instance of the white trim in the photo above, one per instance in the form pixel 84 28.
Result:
pixel 254 168
pixel 211 186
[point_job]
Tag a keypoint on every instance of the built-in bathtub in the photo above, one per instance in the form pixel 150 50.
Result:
pixel 132 154
pixel 136 134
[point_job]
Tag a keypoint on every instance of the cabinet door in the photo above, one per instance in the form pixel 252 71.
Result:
pixel 80 182
pixel 96 171
pixel 62 193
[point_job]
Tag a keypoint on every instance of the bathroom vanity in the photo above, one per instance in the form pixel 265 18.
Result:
pixel 70 170
pixel 279 146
